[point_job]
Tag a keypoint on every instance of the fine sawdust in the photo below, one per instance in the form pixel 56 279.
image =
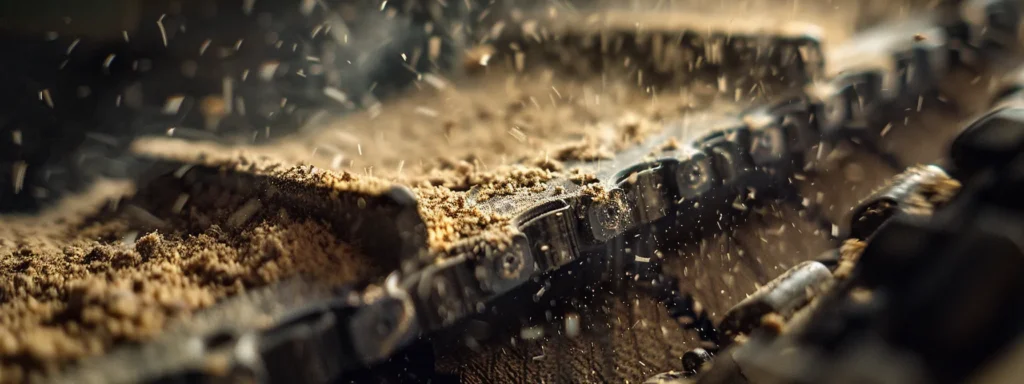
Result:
pixel 450 217
pixel 489 120
pixel 933 192
pixel 849 253
pixel 80 288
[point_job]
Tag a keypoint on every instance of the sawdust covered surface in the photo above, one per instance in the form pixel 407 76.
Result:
pixel 450 210
pixel 75 283
pixel 240 160
pixel 81 285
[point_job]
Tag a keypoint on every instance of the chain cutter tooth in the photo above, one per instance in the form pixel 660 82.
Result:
pixel 552 231
pixel 310 343
pixel 646 187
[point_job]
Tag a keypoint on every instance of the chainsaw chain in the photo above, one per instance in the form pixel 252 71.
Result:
pixel 885 292
pixel 749 159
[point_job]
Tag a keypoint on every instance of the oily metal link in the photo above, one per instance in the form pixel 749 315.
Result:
pixel 690 189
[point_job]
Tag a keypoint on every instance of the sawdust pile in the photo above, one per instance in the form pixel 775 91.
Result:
pixel 122 272
pixel 450 217
pixel 81 289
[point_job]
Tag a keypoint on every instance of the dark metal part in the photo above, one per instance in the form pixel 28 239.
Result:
pixel 912 192
pixel 994 138
pixel 782 296
pixel 694 360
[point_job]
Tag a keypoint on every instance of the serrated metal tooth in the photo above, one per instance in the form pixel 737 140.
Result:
pixel 608 218
pixel 461 285
pixel 646 187
pixel 730 157
pixel 552 234
pixel 310 343
pixel 446 292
